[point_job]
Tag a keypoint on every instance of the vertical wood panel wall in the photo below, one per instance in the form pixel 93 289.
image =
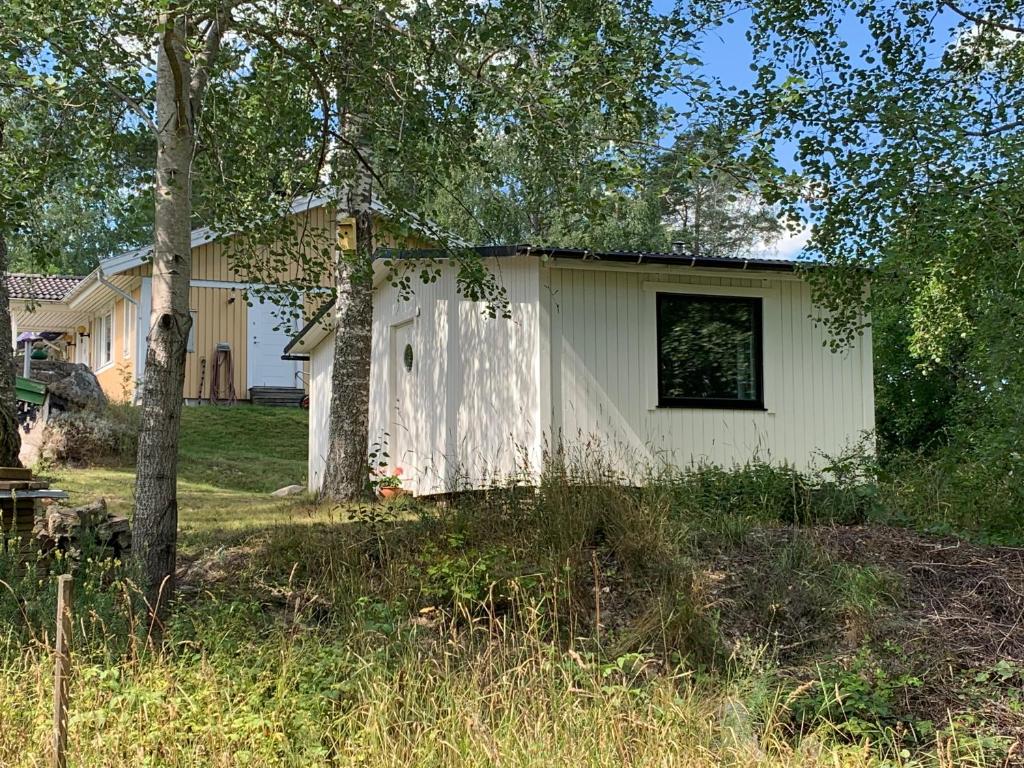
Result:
pixel 604 369
pixel 477 402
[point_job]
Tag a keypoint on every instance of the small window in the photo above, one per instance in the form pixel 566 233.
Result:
pixel 106 339
pixel 407 357
pixel 191 346
pixel 126 328
pixel 709 351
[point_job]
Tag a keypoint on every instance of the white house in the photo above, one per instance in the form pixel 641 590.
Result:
pixel 649 358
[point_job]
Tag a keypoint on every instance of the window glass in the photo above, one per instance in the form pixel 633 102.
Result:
pixel 709 351
pixel 106 340
pixel 191 344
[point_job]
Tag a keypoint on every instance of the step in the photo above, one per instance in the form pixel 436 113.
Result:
pixel 279 396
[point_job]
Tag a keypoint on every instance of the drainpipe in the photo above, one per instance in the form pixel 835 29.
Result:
pixel 126 296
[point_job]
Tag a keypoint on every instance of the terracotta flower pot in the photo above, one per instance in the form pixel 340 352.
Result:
pixel 389 492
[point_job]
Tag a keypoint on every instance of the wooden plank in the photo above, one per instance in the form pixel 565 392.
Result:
pixel 61 672
pixel 33 493
pixel 23 485
pixel 15 473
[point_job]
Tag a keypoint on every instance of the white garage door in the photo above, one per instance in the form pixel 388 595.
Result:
pixel 267 340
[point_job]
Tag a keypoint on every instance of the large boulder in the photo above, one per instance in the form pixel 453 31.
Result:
pixel 73 383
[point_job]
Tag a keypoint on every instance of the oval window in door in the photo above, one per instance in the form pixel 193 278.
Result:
pixel 407 357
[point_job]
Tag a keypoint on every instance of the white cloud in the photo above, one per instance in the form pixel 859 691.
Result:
pixel 788 246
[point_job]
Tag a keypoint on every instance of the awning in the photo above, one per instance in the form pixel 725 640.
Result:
pixel 39 336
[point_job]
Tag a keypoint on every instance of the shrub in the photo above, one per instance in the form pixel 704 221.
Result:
pixel 953 492
pixel 92 436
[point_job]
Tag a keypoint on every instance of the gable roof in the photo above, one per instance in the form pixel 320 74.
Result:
pixel 313 332
pixel 122 262
pixel 40 287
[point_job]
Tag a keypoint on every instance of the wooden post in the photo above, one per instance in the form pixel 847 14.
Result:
pixel 61 670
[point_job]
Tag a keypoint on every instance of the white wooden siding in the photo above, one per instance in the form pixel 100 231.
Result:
pixel 321 365
pixel 603 374
pixel 477 404
pixel 576 365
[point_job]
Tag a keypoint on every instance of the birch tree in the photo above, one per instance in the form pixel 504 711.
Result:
pixel 562 81
pixel 180 89
pixel 155 62
pixel 10 441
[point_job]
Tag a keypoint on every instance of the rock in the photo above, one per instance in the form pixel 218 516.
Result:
pixel 738 732
pixel 89 435
pixel 73 383
pixel 289 490
pixel 69 529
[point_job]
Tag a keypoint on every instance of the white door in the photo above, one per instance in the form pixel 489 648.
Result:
pixel 269 333
pixel 403 377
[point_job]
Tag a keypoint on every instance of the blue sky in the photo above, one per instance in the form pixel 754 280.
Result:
pixel 727 56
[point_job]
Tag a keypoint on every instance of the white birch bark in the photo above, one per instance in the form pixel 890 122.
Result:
pixel 179 95
pixel 346 476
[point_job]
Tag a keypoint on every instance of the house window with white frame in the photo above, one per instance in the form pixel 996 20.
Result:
pixel 126 329
pixel 105 340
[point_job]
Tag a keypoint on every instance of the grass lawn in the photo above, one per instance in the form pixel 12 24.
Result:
pixel 230 460
pixel 686 623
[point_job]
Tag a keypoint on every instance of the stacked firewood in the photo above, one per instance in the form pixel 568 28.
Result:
pixel 89 530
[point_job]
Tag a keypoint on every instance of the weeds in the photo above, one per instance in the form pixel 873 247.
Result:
pixel 696 620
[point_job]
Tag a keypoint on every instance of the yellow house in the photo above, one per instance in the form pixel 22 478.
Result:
pixel 102 317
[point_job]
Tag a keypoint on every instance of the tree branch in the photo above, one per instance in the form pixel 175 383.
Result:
pixel 167 41
pixel 318 83
pixel 982 20
pixel 211 46
pixel 104 83
pixel 994 131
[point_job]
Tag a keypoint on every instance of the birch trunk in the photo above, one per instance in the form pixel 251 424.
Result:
pixel 346 476
pixel 10 440
pixel 156 500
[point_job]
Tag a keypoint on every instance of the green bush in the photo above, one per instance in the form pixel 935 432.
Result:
pixel 952 492
pixel 93 436
pixel 858 698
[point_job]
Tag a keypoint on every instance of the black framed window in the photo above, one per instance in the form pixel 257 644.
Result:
pixel 710 351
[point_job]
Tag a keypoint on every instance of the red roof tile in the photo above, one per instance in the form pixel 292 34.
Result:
pixel 40 287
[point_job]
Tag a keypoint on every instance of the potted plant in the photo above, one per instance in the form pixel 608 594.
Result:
pixel 389 485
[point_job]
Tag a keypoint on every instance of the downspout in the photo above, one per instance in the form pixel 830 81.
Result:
pixel 126 296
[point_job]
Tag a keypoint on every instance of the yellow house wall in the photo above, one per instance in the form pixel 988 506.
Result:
pixel 116 378
pixel 217 318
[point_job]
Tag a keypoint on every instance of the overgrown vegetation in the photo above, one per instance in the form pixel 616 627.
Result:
pixel 708 617
pixel 107 434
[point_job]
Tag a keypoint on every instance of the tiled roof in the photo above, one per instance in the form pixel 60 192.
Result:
pixel 40 287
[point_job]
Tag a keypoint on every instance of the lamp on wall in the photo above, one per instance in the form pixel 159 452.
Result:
pixel 83 332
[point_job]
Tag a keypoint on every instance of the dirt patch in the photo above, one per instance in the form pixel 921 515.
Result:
pixel 215 567
pixel 961 603
pixel 946 613
pixel 965 600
